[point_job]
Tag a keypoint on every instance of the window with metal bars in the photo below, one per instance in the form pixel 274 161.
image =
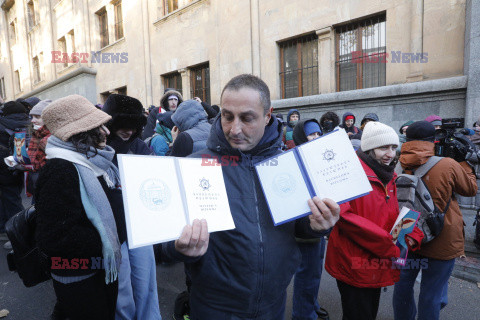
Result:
pixel 3 94
pixel 118 20
pixel 103 27
pixel 299 67
pixel 172 5
pixel 200 82
pixel 361 54
pixel 18 83
pixel 13 32
pixel 36 70
pixel 174 81
pixel 32 17
pixel 62 46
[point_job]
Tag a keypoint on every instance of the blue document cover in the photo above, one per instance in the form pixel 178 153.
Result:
pixel 327 167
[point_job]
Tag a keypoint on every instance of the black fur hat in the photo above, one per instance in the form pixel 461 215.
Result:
pixel 126 112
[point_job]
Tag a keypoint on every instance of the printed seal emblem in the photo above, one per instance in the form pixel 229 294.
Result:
pixel 205 184
pixel 329 155
pixel 155 194
pixel 284 185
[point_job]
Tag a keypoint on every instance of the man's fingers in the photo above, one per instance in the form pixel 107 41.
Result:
pixel 196 230
pixel 184 239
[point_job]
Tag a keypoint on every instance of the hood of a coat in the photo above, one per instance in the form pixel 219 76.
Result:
pixel 164 99
pixel 188 115
pixel 415 153
pixel 346 114
pixel 290 114
pixel 270 143
pixel 299 136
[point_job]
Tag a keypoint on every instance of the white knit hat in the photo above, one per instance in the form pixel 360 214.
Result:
pixel 377 134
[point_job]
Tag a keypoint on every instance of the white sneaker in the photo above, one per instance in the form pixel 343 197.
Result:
pixel 7 245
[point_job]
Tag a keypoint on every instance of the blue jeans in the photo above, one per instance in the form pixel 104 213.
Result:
pixel 137 285
pixel 433 289
pixel 307 281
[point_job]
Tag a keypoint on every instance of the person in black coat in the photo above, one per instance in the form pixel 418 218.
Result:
pixel 137 284
pixel 75 202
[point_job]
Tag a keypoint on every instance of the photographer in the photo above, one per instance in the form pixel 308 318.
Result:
pixel 445 178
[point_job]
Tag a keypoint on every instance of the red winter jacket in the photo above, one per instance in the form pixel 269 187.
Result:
pixel 360 246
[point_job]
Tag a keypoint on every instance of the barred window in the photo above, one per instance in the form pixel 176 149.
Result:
pixel 3 94
pixel 299 67
pixel 172 5
pixel 200 82
pixel 118 21
pixel 62 47
pixel 36 70
pixel 361 54
pixel 18 83
pixel 32 17
pixel 13 32
pixel 174 81
pixel 103 27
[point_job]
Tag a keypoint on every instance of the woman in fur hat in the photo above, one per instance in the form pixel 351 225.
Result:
pixel 76 222
pixel 137 279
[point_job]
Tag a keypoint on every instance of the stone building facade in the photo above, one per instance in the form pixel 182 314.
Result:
pixel 403 59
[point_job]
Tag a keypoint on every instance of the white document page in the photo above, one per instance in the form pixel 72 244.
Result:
pixel 205 194
pixel 284 188
pixel 154 210
pixel 334 168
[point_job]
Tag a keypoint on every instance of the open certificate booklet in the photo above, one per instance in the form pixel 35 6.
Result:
pixel 163 194
pixel 407 220
pixel 326 167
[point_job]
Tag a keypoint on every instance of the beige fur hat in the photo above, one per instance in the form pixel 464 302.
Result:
pixel 72 114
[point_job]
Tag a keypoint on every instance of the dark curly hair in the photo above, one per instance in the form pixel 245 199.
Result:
pixel 84 142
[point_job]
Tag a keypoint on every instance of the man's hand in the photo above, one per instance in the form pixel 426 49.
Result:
pixel 193 241
pixel 325 213
pixel 175 131
pixel 350 134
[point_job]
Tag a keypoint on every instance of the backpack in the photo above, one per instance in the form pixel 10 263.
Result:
pixel 413 193
pixel 26 258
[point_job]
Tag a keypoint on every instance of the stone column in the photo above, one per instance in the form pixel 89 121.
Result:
pixel 185 73
pixel 416 40
pixel 472 61
pixel 326 59
pixel 255 37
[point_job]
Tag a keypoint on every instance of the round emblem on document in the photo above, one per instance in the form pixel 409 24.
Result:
pixel 155 194
pixel 329 155
pixel 284 185
pixel 205 184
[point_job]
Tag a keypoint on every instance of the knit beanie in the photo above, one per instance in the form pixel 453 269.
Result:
pixel 38 109
pixel 369 116
pixel 406 124
pixel 12 107
pixel 421 130
pixel 311 127
pixel 434 119
pixel 71 115
pixel 377 134
pixel 32 101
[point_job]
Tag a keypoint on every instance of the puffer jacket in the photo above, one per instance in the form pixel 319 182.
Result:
pixel 445 178
pixel 362 236
pixel 245 271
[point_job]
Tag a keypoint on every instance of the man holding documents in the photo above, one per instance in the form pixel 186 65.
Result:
pixel 243 273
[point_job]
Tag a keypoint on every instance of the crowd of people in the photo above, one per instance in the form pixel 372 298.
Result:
pixel 67 163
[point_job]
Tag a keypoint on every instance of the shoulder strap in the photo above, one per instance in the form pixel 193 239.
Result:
pixel 424 168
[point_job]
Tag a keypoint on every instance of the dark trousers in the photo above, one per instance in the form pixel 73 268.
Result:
pixel 10 203
pixel 87 299
pixel 359 303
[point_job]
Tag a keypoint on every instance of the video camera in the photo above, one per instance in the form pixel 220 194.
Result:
pixel 451 142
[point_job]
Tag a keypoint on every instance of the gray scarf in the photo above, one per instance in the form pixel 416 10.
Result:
pixel 94 199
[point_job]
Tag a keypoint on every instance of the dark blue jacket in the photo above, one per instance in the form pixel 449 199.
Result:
pixel 245 271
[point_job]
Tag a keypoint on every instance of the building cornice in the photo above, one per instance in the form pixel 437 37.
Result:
pixel 76 72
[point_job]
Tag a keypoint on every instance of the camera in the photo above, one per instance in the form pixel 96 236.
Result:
pixel 451 140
